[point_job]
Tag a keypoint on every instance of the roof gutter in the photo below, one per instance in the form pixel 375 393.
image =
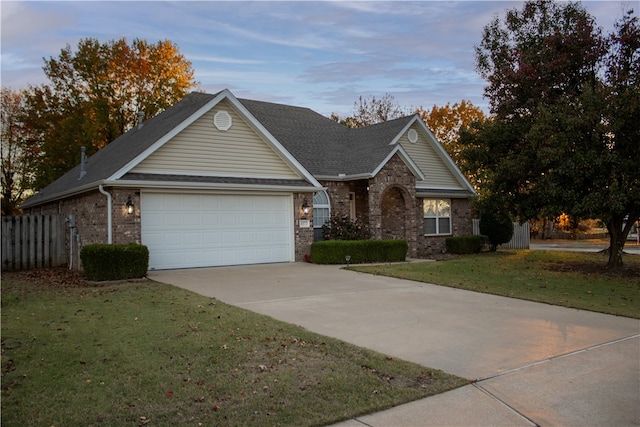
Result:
pixel 215 186
pixel 109 214
pixel 344 177
pixel 29 203
pixel 444 192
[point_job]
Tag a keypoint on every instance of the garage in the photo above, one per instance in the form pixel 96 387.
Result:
pixel 207 230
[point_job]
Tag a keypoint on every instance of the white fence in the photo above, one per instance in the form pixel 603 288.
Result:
pixel 521 235
pixel 33 241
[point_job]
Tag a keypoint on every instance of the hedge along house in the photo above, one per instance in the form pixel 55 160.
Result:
pixel 216 180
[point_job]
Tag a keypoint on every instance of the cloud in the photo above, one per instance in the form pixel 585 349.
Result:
pixel 222 60
pixel 322 55
pixel 23 22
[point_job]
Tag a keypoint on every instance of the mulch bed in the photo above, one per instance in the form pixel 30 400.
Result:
pixel 58 277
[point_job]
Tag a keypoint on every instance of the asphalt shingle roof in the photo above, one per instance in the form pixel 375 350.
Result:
pixel 323 146
pixel 122 150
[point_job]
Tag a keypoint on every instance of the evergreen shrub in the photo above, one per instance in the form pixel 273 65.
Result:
pixel 114 262
pixel 464 244
pixel 360 251
pixel 497 225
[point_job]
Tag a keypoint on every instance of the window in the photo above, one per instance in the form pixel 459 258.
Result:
pixel 352 206
pixel 321 213
pixel 437 216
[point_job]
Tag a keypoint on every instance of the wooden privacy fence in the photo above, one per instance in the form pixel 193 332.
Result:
pixel 33 241
pixel 521 235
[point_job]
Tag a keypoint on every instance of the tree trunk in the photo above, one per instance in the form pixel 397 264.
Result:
pixel 618 232
pixel 616 246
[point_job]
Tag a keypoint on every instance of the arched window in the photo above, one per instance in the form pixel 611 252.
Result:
pixel 321 213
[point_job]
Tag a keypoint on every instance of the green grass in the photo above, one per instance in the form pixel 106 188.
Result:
pixel 132 354
pixel 570 279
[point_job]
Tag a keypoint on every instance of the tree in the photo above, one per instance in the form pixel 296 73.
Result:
pixel 446 122
pixel 96 93
pixel 615 197
pixel 496 224
pixel 19 152
pixel 559 139
pixel 372 110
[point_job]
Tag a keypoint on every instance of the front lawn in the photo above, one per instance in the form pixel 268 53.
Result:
pixel 570 279
pixel 134 354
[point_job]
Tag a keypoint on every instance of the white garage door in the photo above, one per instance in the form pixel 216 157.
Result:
pixel 198 230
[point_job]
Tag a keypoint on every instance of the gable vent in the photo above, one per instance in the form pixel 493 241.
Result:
pixel 222 120
pixel 412 135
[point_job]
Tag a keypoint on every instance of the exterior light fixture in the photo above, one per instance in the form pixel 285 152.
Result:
pixel 129 206
pixel 305 207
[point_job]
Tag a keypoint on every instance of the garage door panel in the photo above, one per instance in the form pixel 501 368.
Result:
pixel 197 230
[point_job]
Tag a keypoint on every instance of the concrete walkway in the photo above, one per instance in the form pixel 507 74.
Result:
pixel 535 364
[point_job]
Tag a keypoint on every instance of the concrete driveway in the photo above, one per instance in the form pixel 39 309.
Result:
pixel 535 364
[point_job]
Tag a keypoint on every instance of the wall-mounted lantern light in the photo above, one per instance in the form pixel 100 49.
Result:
pixel 129 206
pixel 305 207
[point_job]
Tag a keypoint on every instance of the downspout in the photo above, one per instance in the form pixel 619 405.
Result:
pixel 109 215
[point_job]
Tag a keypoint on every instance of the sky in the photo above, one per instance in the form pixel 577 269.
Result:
pixel 321 55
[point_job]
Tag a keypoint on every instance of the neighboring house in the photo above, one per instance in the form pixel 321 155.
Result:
pixel 216 180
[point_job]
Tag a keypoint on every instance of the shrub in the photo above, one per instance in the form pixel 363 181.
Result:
pixel 341 227
pixel 114 262
pixel 497 225
pixel 360 251
pixel 464 244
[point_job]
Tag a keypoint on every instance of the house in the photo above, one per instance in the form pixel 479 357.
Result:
pixel 217 180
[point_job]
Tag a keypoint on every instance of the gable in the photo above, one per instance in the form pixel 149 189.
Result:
pixel 205 150
pixel 436 171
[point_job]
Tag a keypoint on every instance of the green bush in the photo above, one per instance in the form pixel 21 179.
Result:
pixel 360 251
pixel 497 225
pixel 464 244
pixel 114 262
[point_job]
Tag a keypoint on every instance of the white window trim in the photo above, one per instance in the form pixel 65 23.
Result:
pixel 322 206
pixel 437 218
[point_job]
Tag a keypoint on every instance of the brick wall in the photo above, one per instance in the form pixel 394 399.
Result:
pixel 461 224
pixel 90 210
pixel 303 236
pixel 391 199
pixel 391 189
pixel 126 227
pixel 390 193
pixel 338 192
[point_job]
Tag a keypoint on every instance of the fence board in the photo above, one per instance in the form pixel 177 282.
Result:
pixel 33 241
pixel 521 235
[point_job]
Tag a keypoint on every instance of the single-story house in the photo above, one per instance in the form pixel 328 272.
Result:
pixel 216 180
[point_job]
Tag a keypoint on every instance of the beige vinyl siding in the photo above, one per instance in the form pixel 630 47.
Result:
pixel 202 149
pixel 437 173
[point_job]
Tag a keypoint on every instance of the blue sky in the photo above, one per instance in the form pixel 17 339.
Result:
pixel 321 55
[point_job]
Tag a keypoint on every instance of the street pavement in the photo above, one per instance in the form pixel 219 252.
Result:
pixel 630 247
pixel 532 363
